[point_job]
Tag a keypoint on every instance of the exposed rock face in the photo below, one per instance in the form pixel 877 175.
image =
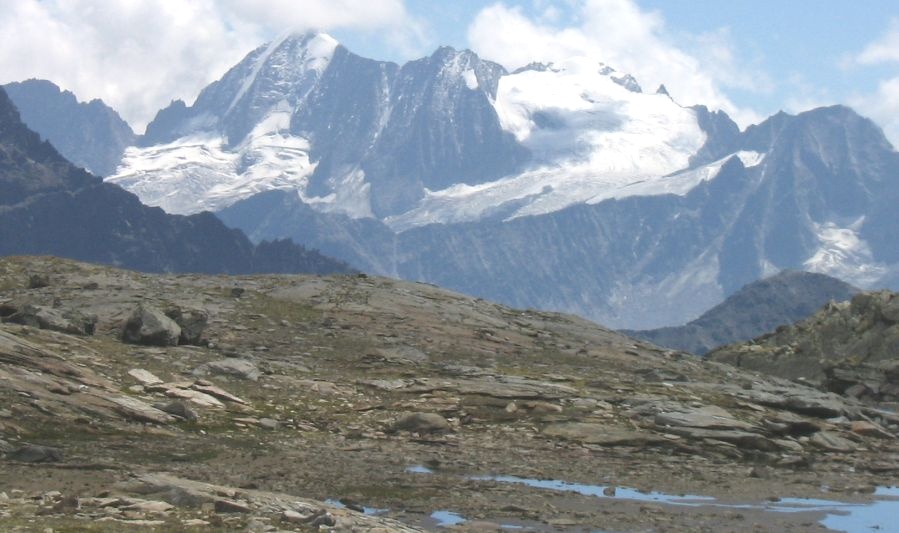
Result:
pixel 602 434
pixel 179 409
pixel 192 323
pixel 756 309
pixel 144 377
pixel 139 411
pixel 849 348
pixel 151 327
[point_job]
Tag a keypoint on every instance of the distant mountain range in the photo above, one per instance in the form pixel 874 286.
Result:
pixel 757 308
pixel 48 206
pixel 557 186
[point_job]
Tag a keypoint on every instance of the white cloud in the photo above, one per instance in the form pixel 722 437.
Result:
pixel 321 14
pixel 620 34
pixel 140 54
pixel 804 94
pixel 882 105
pixel 884 50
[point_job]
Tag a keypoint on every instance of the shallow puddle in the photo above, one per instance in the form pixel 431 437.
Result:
pixel 446 518
pixel 879 515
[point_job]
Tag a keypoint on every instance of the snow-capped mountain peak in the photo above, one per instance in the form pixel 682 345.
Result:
pixel 392 138
pixel 601 199
pixel 290 59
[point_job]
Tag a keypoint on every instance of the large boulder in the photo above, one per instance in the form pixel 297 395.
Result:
pixel 149 326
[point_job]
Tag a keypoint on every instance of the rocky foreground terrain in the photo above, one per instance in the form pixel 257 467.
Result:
pixel 352 403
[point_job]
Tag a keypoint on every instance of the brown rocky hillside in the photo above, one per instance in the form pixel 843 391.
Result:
pixel 353 403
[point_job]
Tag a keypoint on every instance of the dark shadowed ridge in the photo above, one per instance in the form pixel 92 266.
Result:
pixel 48 206
pixel 757 308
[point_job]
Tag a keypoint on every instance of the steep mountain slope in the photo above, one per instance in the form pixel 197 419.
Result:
pixel 757 308
pixel 49 206
pixel 848 347
pixel 89 134
pixel 558 186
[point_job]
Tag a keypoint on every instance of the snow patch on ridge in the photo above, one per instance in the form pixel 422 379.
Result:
pixel 471 79
pixel 844 255
pixel 352 196
pixel 257 67
pixel 200 173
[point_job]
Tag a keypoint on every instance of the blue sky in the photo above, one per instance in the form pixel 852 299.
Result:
pixel 750 58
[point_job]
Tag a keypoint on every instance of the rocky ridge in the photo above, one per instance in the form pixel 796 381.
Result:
pixel 357 403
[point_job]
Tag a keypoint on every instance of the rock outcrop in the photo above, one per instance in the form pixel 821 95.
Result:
pixel 848 348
